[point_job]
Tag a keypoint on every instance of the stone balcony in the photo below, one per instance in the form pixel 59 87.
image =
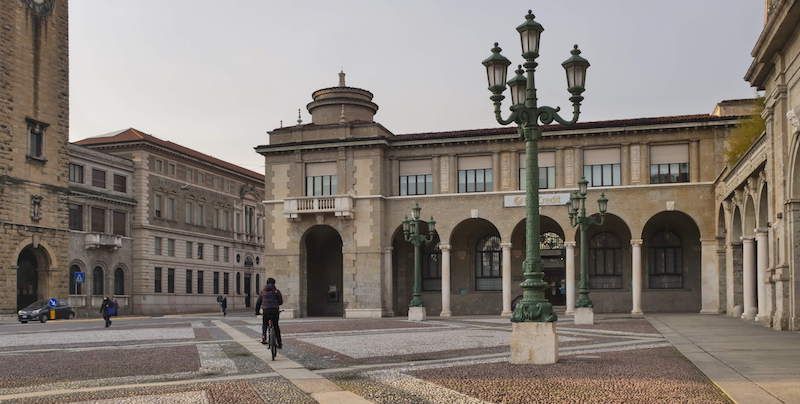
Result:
pixel 339 205
pixel 102 240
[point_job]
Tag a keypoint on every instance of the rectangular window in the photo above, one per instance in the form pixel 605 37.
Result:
pixel 76 173
pixel 416 184
pixel 171 208
pixel 200 282
pixel 226 223
pixel 171 169
pixel 602 175
pixel 189 247
pixel 217 218
pixel 216 283
pixel 669 173
pixel 157 245
pixel 98 220
pixel 120 223
pixel 157 205
pixel 201 215
pixel 249 219
pixel 98 178
pixel 120 183
pixel 226 254
pixel 188 281
pixel 547 178
pixel 321 185
pixel 225 282
pixel 238 283
pixel 35 138
pixel 170 280
pixel 159 166
pixel 216 253
pixel 475 180
pixel 75 217
pixel 189 212
pixel 171 247
pixel 200 247
pixel 157 280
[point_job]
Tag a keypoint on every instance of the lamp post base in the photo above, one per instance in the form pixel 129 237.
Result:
pixel 584 316
pixel 416 314
pixel 534 343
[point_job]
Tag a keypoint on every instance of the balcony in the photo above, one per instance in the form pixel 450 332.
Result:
pixel 100 240
pixel 340 205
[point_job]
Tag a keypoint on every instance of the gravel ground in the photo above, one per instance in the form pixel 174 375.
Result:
pixel 643 376
pixel 245 361
pixel 375 391
pixel 631 325
pixel 348 325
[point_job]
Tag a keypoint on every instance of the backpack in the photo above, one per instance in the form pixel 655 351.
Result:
pixel 270 299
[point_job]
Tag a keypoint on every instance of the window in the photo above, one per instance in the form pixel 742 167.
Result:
pixel 226 256
pixel 159 166
pixel 249 219
pixel 189 212
pixel 76 173
pixel 200 247
pixel 188 281
pixel 157 245
pixel 225 282
pixel 75 217
pixel 602 175
pixel 605 261
pixel 226 224
pixel 97 281
pixel 171 169
pixel 98 220
pixel 216 253
pixel 217 218
pixel 120 223
pixel 488 265
pixel 216 283
pixel 171 247
pixel 477 180
pixel 432 266
pixel 321 185
pixel 238 283
pixel 157 280
pixel 120 183
pixel 98 178
pixel 238 222
pixel 201 215
pixel 547 178
pixel 170 280
pixel 119 282
pixel 665 261
pixel 157 205
pixel 36 138
pixel 189 247
pixel 200 282
pixel 75 288
pixel 171 208
pixel 416 184
pixel 669 172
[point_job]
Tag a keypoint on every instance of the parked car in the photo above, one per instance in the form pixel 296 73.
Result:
pixel 39 310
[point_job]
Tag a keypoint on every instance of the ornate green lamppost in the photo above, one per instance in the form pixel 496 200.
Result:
pixel 578 218
pixel 527 114
pixel 412 234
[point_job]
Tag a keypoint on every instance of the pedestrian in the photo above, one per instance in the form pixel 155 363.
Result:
pixel 223 304
pixel 107 308
pixel 270 299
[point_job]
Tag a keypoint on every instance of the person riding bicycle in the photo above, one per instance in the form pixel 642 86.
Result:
pixel 270 299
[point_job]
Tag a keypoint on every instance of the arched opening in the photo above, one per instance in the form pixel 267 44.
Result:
pixel 97 281
pixel 238 283
pixel 403 272
pixel 75 287
pixel 552 253
pixel 737 258
pixel 119 282
pixel 608 264
pixel 476 268
pixel 322 254
pixel 671 263
pixel 32 266
pixel 763 209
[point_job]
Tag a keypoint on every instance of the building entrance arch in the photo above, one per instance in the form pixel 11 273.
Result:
pixel 322 252
pixel 552 253
pixel 32 266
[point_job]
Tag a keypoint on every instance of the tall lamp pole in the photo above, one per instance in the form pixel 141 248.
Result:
pixel 412 234
pixel 578 218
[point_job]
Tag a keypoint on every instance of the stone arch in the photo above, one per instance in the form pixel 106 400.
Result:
pixel 763 207
pixel 737 226
pixel 74 287
pixel 119 281
pixel 321 271
pixel 610 241
pixel 552 252
pixel 403 272
pixel 749 217
pixel 465 280
pixel 98 286
pixel 33 264
pixel 722 228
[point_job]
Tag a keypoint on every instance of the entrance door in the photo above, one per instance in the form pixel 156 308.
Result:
pixel 27 278
pixel 247 290
pixel 555 289
pixel 323 271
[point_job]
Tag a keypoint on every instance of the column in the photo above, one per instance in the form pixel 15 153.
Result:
pixel 445 280
pixel 636 276
pixel 388 282
pixel 694 160
pixel 710 261
pixel 570 275
pixel 506 279
pixel 761 271
pixel 748 270
pixel 497 174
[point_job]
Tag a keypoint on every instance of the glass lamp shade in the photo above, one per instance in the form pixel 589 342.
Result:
pixel 415 211
pixel 583 185
pixel 573 203
pixel 602 203
pixel 406 225
pixel 530 32
pixel 518 85
pixel 432 226
pixel 496 70
pixel 576 67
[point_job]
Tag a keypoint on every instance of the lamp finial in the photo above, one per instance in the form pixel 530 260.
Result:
pixel 341 78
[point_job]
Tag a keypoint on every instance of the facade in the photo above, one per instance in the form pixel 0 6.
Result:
pixel 34 123
pixel 196 228
pixel 338 188
pixel 758 197
pixel 101 207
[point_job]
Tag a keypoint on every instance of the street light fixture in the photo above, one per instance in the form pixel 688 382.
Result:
pixel 578 218
pixel 411 233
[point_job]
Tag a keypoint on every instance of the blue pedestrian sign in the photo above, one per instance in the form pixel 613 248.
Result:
pixel 52 302
pixel 79 277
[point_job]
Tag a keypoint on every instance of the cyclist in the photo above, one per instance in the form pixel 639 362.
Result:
pixel 270 299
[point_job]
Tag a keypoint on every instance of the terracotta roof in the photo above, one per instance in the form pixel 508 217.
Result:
pixel 133 135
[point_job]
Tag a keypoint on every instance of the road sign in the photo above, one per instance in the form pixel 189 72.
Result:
pixel 79 277
pixel 52 302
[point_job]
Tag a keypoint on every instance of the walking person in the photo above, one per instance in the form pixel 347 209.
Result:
pixel 107 309
pixel 223 304
pixel 270 299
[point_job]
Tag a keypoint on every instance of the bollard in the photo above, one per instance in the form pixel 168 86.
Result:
pixel 52 314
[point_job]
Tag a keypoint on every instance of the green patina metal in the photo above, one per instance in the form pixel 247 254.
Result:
pixel 411 233
pixel 578 218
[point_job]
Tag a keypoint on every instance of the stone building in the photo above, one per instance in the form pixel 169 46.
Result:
pixel 34 123
pixel 101 207
pixel 338 188
pixel 197 226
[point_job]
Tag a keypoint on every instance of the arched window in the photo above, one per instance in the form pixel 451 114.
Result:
pixel 605 261
pixel 248 261
pixel 75 288
pixel 238 283
pixel 488 264
pixel 119 281
pixel 550 241
pixel 665 261
pixel 432 266
pixel 97 281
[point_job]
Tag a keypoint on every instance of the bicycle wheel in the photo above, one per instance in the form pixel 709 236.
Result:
pixel 273 345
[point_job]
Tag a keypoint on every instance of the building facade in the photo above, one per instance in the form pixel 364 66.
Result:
pixel 34 124
pixel 338 188
pixel 197 226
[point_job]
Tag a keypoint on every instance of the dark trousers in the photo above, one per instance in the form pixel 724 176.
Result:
pixel 271 314
pixel 107 317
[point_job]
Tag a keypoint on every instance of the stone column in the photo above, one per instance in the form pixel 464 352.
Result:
pixel 497 174
pixel 748 270
pixel 625 164
pixel 636 278
pixel 644 157
pixel 506 279
pixel 445 248
pixel 710 276
pixel 761 271
pixel 388 282
pixel 570 252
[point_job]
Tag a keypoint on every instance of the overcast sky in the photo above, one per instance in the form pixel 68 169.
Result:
pixel 216 75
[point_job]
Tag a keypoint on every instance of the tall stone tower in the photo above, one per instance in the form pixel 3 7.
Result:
pixel 34 127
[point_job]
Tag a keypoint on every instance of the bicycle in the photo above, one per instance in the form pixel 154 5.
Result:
pixel 272 341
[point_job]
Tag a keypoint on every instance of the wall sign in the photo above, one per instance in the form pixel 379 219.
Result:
pixel 514 201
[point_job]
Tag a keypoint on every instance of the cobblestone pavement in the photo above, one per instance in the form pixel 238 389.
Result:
pixel 210 359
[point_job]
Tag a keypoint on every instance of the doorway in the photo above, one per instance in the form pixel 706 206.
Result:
pixel 30 264
pixel 247 289
pixel 323 258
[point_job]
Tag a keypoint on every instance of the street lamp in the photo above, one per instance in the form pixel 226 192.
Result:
pixel 578 218
pixel 411 233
